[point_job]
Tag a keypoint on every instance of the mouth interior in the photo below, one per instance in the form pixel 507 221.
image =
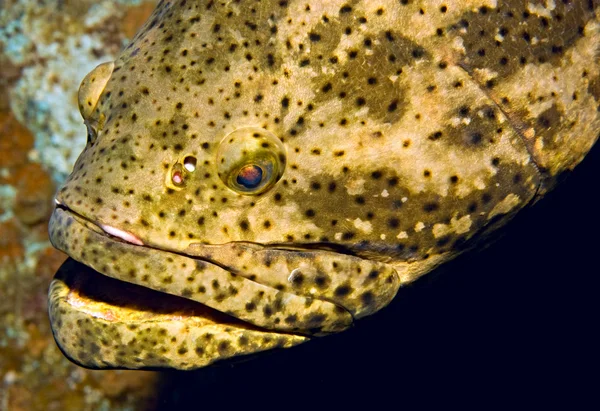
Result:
pixel 117 301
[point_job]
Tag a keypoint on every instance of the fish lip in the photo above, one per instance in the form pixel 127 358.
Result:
pixel 108 230
pixel 71 295
pixel 130 238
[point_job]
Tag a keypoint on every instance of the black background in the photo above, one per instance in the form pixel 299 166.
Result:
pixel 513 325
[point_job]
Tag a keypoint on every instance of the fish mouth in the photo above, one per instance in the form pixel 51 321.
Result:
pixel 243 316
pixel 193 273
pixel 105 317
pixel 102 323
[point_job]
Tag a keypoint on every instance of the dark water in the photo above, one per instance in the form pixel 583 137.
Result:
pixel 513 325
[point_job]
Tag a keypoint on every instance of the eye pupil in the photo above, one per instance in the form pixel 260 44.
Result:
pixel 249 176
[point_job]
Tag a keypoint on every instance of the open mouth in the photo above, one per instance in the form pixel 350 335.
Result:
pixel 179 298
pixel 155 311
pixel 99 322
pixel 159 305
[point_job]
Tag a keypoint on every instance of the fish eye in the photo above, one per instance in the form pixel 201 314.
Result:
pixel 250 176
pixel 250 160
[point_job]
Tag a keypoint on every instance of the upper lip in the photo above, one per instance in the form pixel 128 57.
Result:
pixel 133 239
pixel 110 230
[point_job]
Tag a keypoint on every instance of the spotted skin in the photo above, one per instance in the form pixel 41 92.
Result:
pixel 150 332
pixel 391 136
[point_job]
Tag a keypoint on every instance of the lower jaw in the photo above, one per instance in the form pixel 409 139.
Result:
pixel 99 322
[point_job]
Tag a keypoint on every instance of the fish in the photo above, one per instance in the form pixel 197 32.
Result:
pixel 261 174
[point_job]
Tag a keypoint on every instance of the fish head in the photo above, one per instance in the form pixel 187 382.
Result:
pixel 228 135
pixel 291 172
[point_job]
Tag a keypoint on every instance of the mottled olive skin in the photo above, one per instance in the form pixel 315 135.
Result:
pixel 406 132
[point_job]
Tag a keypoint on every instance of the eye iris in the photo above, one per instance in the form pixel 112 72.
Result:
pixel 250 176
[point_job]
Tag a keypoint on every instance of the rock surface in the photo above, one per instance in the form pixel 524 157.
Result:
pixel 46 48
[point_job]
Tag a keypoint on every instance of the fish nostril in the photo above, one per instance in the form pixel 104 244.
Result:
pixel 190 163
pixel 177 178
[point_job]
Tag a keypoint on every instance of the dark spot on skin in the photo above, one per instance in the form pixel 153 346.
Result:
pixel 223 346
pixel 297 278
pixel 393 222
pixel 367 298
pixel 342 291
pixel 315 320
pixel 373 274
pixel 321 281
pixel 431 207
pixel 348 235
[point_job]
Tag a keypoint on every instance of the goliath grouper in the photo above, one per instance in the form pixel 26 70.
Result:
pixel 266 172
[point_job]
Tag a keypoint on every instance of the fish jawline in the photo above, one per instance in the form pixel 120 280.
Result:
pixel 87 309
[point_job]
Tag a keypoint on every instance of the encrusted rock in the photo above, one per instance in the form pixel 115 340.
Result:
pixel 11 243
pixel 35 190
